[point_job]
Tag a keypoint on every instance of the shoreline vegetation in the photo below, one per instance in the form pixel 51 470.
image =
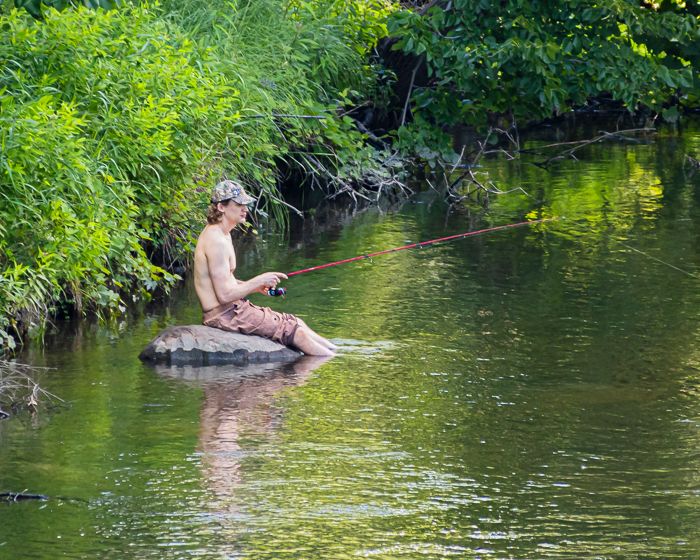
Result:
pixel 117 122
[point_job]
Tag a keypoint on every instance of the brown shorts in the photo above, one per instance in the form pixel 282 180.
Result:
pixel 244 317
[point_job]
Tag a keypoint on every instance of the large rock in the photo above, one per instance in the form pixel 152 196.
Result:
pixel 197 344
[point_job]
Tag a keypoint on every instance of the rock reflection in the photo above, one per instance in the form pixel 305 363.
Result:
pixel 238 412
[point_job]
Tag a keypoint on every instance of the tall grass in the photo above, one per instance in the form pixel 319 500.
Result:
pixel 114 125
pixel 323 42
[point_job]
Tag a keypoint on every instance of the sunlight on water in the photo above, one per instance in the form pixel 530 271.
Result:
pixel 531 393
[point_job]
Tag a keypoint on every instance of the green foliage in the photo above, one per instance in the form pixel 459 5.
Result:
pixel 536 58
pixel 81 139
pixel 112 121
pixel 36 7
pixel 336 33
pixel 425 143
pixel 296 48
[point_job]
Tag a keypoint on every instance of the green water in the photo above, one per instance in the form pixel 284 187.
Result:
pixel 531 393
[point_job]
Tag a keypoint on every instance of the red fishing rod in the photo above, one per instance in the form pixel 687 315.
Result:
pixel 282 291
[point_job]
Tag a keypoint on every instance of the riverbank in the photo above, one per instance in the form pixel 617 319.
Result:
pixel 116 124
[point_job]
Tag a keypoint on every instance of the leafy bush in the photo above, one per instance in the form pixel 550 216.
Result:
pixel 537 58
pixel 116 124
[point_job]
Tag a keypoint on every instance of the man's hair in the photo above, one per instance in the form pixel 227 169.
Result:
pixel 214 216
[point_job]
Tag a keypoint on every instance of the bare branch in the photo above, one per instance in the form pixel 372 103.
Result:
pixel 410 90
pixel 19 387
pixel 461 155
pixel 273 197
pixel 693 161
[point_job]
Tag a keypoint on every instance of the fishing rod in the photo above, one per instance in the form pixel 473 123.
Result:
pixel 282 291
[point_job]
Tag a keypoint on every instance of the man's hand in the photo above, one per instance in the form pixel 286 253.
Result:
pixel 268 280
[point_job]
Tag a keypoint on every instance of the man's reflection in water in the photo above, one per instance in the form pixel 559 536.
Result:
pixel 238 406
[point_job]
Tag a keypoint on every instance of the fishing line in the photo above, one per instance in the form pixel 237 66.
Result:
pixel 653 258
pixel 608 236
pixel 459 236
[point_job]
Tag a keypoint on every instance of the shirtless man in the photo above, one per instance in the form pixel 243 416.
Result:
pixel 223 297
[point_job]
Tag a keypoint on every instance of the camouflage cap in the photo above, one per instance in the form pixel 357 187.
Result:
pixel 230 190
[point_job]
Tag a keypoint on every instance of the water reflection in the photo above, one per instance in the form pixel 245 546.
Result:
pixel 239 412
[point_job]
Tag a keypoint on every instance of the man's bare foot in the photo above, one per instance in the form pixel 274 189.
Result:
pixel 306 342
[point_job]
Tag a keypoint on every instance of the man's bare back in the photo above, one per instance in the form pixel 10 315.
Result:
pixel 216 285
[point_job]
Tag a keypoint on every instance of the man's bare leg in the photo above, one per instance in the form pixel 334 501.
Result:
pixel 318 338
pixel 306 343
pixel 322 341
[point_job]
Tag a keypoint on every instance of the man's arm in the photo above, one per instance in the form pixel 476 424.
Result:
pixel 226 286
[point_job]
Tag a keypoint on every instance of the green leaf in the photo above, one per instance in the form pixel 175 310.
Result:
pixel 685 77
pixel 664 74
pixel 671 115
pixel 32 6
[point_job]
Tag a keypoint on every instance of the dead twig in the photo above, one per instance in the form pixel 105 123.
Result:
pixel 692 161
pixel 461 155
pixel 495 190
pixel 364 130
pixel 431 186
pixel 18 386
pixel 500 151
pixel 602 135
pixel 346 187
pixel 273 197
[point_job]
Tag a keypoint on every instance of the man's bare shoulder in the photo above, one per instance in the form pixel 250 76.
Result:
pixel 213 239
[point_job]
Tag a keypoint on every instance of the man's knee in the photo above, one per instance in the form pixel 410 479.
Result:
pixel 301 334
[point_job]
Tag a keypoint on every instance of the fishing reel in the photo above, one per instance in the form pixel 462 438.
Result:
pixel 277 292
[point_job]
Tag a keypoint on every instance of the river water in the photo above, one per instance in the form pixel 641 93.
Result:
pixel 530 393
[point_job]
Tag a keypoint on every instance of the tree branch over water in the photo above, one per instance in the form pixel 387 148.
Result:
pixel 468 177
pixel 602 135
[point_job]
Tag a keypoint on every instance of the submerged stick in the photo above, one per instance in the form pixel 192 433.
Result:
pixel 21 497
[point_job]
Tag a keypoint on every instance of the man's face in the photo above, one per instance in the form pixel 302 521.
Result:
pixel 236 213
